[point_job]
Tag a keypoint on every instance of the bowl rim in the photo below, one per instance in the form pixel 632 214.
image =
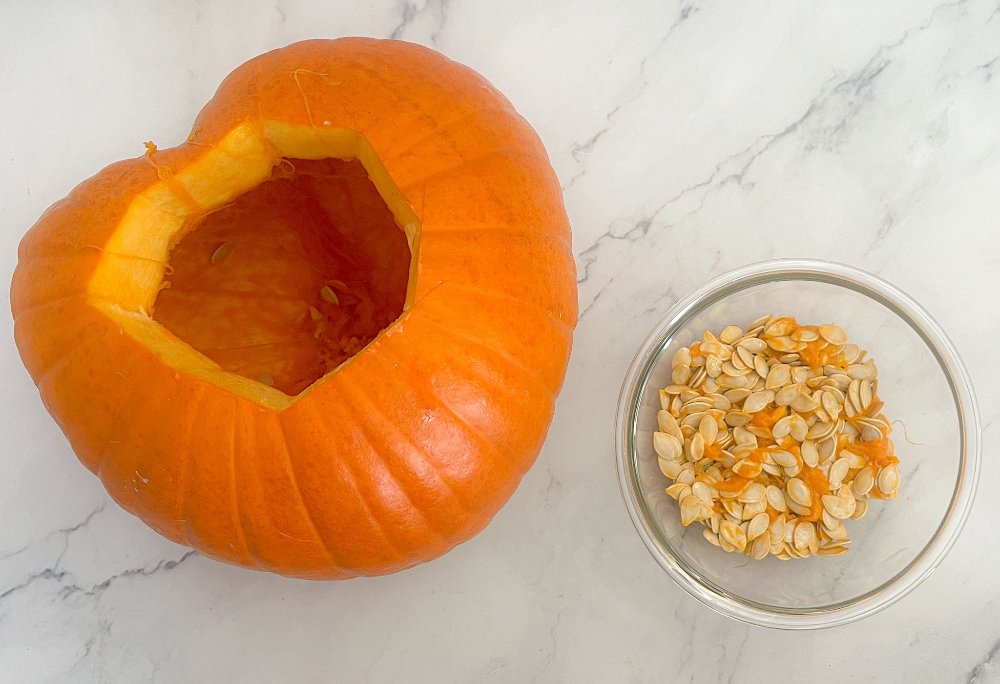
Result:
pixel 951 365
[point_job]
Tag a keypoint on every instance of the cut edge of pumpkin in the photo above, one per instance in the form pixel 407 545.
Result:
pixel 135 260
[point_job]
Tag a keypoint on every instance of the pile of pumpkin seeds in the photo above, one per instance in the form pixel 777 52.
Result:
pixel 774 436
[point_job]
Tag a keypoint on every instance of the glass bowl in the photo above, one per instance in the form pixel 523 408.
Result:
pixel 898 543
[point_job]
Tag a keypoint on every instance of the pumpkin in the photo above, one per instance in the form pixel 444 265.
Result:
pixel 324 336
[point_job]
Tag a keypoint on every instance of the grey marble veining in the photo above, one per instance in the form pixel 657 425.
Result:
pixel 690 137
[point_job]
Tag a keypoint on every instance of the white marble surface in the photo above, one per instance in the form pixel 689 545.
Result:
pixel 691 138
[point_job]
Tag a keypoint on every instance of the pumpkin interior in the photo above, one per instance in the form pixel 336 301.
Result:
pixel 266 263
pixel 290 279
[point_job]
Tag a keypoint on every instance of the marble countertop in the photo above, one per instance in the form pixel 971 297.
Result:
pixel 690 137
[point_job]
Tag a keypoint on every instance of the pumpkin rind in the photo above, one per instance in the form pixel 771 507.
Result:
pixel 413 445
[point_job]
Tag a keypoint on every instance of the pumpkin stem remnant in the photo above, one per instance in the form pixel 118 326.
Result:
pixel 163 172
pixel 287 163
pixel 305 100
pixel 167 268
pixel 906 436
pixel 191 139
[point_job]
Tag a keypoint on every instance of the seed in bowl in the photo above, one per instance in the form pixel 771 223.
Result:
pixel 775 436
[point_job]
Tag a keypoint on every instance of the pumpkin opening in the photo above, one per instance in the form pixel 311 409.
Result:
pixel 263 265
pixel 290 279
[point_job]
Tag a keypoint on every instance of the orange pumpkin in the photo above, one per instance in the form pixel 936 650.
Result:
pixel 324 336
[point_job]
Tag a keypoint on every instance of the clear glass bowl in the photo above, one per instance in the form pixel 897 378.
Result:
pixel 898 543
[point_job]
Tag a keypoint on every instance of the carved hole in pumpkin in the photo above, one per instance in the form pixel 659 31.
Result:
pixel 290 279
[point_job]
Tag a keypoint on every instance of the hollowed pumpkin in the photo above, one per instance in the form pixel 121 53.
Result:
pixel 324 336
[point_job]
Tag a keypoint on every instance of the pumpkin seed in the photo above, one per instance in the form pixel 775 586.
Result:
pixel 744 437
pixel 800 374
pixel 733 508
pixel 761 323
pixel 798 427
pixel 758 401
pixel 735 396
pixel 745 356
pixel 775 498
pixel 728 368
pixel 870 434
pixel 838 532
pixel 329 296
pixel 696 447
pixel 747 468
pixel 703 492
pixel 782 344
pixel 853 397
pixel 839 507
pixel 720 402
pixel 803 403
pixel 782 428
pixel 672 469
pixel 810 454
pixel 786 395
pixel 830 405
pixel 758 526
pixel 752 493
pixel 737 418
pixel 832 551
pixel 761 366
pixel 754 508
pixel 667 423
pixel 681 374
pixel 860 508
pixel 865 393
pixel 859 371
pixel 851 353
pixel 761 546
pixel 833 334
pixel 863 482
pixel 692 510
pixel 667 446
pixel 730 334
pixel 821 430
pixel 678 491
pixel 783 458
pixel 711 348
pixel 778 376
pixel 733 534
pixel 221 252
pixel 805 535
pixel 709 430
pixel 838 471
pixel 731 382
pixel 888 480
pixel 798 492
